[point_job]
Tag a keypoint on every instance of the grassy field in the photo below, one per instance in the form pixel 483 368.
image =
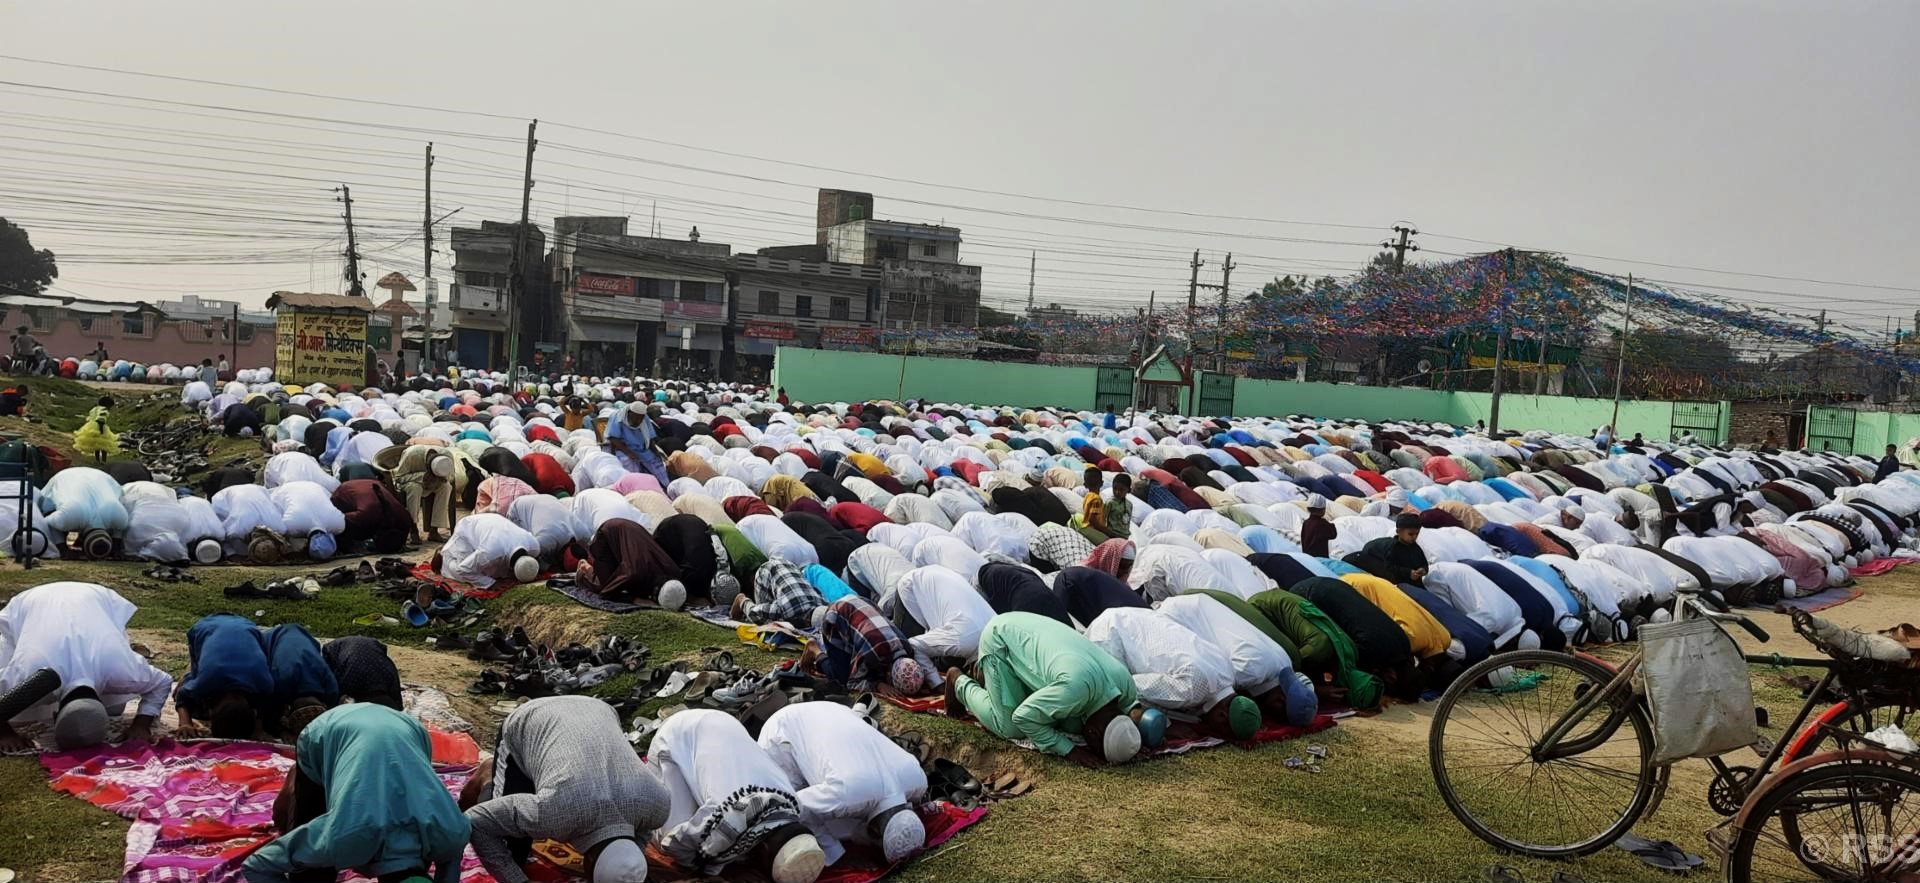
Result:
pixel 1223 814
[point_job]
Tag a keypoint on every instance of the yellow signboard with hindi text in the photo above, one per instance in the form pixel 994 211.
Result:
pixel 321 347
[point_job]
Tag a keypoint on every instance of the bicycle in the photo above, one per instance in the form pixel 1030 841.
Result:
pixel 1582 731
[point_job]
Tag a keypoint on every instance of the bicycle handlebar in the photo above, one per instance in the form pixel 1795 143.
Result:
pixel 1719 612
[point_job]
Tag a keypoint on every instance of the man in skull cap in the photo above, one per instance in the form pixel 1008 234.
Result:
pixel 1040 680
pixel 1316 532
pixel 77 631
pixel 421 474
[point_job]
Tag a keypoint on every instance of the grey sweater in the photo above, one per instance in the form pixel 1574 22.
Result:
pixel 588 785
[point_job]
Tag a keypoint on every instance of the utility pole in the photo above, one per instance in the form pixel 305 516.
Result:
pixel 1401 247
pixel 516 285
pixel 1620 371
pixel 1193 294
pixel 426 257
pixel 1820 374
pixel 1500 350
pixel 233 337
pixel 353 248
pixel 1033 258
pixel 1220 330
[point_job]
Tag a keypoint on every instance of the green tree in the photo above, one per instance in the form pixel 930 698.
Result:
pixel 23 270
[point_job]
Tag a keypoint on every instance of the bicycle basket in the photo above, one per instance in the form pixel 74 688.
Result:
pixel 1696 683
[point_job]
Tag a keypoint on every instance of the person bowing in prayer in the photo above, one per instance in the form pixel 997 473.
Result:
pixel 563 771
pixel 1040 680
pixel 362 796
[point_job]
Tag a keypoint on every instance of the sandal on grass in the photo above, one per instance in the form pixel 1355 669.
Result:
pixel 1662 854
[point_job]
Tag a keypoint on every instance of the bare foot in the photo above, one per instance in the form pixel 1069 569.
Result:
pixel 11 741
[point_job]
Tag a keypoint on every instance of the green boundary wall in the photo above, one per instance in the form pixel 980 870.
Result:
pixel 1874 430
pixel 830 375
pixel 811 375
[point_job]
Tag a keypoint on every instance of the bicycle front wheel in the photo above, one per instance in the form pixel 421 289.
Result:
pixel 1844 821
pixel 1482 749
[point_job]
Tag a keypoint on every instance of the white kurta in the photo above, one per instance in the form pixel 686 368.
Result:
pixel 704 756
pixel 1476 596
pixel 290 466
pixel 1171 666
pixel 948 607
pixel 844 771
pixel 81 498
pixel 949 552
pixel 1161 571
pixel 1243 579
pixel 306 507
pixel 549 519
pixel 244 507
pixel 80 631
pixel 481 549
pixel 776 540
pixel 1259 664
pixel 597 506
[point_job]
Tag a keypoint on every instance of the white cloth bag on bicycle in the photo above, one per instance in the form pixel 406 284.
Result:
pixel 1698 688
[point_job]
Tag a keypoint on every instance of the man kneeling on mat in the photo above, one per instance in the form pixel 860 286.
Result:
pixel 1039 680
pixel 732 805
pixel 64 659
pixel 563 770
pixel 246 684
pixel 362 797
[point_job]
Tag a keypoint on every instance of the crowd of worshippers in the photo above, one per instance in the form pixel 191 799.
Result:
pixel 363 794
pixel 1325 561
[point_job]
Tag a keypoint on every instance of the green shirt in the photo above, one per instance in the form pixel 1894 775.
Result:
pixel 1119 520
pixel 1044 665
pixel 1300 620
pixel 1363 689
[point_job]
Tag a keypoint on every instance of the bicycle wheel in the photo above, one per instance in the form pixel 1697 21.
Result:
pixel 1481 752
pixel 1846 821
pixel 1858 720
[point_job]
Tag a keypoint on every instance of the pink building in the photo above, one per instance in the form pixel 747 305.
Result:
pixel 136 331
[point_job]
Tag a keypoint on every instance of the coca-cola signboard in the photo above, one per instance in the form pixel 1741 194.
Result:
pixel 594 283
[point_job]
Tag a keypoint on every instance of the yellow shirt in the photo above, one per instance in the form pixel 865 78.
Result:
pixel 1094 511
pixel 1426 634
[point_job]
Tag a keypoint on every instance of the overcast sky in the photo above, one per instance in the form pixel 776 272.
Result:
pixel 1773 138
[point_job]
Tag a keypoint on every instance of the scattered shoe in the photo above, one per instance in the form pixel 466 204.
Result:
pixel 413 614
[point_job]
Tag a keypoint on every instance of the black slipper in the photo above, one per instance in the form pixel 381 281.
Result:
pixel 1503 874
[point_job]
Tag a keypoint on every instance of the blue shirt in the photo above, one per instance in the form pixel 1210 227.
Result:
pixel 226 654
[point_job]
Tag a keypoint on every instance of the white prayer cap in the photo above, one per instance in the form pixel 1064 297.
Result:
pixel 1316 501
pixel 441 466
pixel 800 860
pixel 525 568
pixel 1397 497
pixel 905 834
pixel 622 861
pixel 1121 741
pixel 672 595
pixel 1578 513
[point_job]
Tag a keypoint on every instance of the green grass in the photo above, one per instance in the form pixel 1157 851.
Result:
pixel 1221 814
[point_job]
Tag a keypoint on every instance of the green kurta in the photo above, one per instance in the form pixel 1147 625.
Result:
pixel 1363 689
pixel 1301 621
pixel 743 557
pixel 1259 620
pixel 1043 679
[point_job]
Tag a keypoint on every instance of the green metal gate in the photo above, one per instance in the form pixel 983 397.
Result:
pixel 1216 395
pixel 1113 386
pixel 1830 429
pixel 1700 418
